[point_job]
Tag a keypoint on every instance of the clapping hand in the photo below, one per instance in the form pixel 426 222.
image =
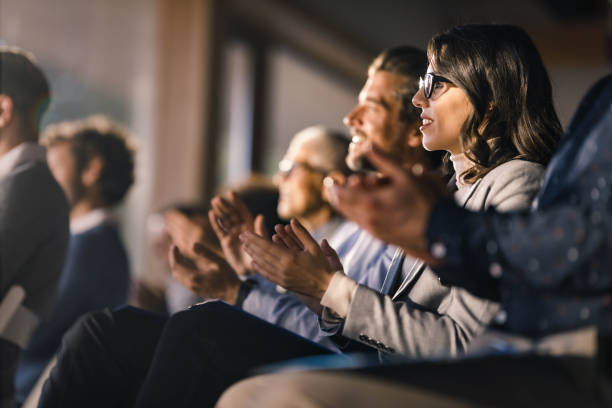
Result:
pixel 293 260
pixel 207 275
pixel 229 218
pixel 394 205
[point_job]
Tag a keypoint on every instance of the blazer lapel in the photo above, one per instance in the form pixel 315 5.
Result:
pixel 416 267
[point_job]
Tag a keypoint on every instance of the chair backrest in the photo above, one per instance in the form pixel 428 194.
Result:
pixel 17 322
pixel 9 306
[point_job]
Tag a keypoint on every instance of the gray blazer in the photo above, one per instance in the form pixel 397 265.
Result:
pixel 33 237
pixel 425 318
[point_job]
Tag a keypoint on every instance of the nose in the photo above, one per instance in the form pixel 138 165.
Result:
pixel 419 99
pixel 351 118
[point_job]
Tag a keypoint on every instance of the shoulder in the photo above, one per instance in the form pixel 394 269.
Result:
pixel 515 168
pixel 514 174
pixel 31 189
pixel 33 178
pixel 102 238
pixel 510 186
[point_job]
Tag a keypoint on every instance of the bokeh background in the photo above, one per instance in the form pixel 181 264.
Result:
pixel 213 90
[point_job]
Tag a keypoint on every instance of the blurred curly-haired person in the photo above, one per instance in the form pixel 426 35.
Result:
pixel 93 161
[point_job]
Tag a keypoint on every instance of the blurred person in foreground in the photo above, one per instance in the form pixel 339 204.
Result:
pixel 93 161
pixel 33 210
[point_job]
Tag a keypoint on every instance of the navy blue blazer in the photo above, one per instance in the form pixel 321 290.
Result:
pixel 95 276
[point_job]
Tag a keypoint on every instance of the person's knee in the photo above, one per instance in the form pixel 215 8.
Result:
pixel 90 325
pixel 202 314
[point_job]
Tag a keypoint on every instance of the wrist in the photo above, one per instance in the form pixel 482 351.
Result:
pixel 232 292
pixel 323 285
pixel 243 291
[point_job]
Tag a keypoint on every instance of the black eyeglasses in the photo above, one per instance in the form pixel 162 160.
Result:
pixel 429 81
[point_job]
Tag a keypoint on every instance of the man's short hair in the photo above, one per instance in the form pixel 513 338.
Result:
pixel 409 62
pixel 26 85
pixel 98 136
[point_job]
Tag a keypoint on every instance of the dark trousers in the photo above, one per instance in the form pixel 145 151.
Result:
pixel 111 359
pixel 9 357
pixel 208 348
pixel 103 359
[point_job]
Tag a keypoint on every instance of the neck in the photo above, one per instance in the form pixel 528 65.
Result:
pixel 460 164
pixel 8 144
pixel 81 208
pixel 13 135
pixel 316 218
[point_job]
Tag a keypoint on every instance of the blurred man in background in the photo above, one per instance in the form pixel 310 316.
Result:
pixel 93 162
pixel 33 213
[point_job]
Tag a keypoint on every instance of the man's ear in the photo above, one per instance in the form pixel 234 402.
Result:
pixel 6 110
pixel 414 138
pixel 92 172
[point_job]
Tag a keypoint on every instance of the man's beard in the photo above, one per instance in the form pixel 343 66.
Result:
pixel 361 164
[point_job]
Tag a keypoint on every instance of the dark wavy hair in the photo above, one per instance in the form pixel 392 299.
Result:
pixel 503 75
pixel 98 136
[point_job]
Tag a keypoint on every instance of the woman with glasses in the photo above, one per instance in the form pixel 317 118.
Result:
pixel 487 100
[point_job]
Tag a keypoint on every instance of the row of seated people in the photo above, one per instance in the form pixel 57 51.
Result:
pixel 92 160
pixel 435 283
pixel 426 276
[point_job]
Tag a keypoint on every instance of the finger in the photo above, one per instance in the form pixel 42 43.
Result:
pixel 172 255
pixel 257 247
pixel 332 256
pixel 240 207
pixel 304 236
pixel 264 270
pixel 214 223
pixel 260 226
pixel 277 240
pixel 290 235
pixel 385 164
pixel 266 262
pixel 286 239
pixel 225 211
pixel 204 251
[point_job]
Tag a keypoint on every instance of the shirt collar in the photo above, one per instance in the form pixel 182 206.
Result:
pixel 90 220
pixel 22 153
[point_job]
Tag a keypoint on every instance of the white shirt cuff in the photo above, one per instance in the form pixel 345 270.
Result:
pixel 339 294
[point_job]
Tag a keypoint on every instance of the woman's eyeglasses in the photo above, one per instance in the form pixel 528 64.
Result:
pixel 429 82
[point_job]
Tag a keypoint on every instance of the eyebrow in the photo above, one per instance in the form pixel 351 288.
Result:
pixel 379 101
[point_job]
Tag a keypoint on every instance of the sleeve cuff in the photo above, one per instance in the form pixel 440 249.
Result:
pixel 339 294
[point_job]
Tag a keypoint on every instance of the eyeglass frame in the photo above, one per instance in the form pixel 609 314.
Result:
pixel 423 83
pixel 286 167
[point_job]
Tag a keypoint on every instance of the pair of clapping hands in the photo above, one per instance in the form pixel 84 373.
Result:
pixel 394 206
pixel 211 270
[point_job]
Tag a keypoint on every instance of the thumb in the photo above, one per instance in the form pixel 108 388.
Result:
pixel 384 163
pixel 260 227
pixel 332 256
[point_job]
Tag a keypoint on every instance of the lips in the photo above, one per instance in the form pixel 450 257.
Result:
pixel 426 122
